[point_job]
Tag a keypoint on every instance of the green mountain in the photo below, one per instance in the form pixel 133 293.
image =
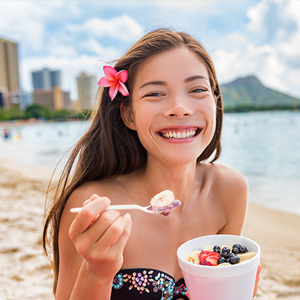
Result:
pixel 248 93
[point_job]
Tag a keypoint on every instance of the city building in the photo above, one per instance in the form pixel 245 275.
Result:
pixel 87 87
pixel 53 99
pixel 9 72
pixel 45 79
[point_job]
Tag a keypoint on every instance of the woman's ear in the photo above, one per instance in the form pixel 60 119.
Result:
pixel 127 116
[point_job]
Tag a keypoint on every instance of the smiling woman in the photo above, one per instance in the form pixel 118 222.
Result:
pixel 153 135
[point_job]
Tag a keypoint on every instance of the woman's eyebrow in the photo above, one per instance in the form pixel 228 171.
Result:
pixel 158 82
pixel 154 83
pixel 192 78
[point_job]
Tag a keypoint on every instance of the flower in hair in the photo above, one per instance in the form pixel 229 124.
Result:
pixel 115 81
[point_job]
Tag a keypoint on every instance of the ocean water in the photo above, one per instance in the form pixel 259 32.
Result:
pixel 264 146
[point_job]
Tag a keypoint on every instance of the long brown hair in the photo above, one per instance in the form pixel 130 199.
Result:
pixel 109 148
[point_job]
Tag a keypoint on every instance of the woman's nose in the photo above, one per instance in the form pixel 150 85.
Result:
pixel 178 107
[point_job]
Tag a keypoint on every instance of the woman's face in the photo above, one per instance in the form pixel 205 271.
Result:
pixel 173 108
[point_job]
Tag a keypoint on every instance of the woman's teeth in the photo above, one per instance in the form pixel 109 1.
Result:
pixel 179 135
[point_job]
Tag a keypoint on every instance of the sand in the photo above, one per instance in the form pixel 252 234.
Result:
pixel 25 273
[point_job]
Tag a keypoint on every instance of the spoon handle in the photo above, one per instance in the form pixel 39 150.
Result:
pixel 113 207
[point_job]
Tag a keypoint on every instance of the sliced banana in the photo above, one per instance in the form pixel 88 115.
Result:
pixel 163 198
pixel 197 260
pixel 208 248
pixel 193 257
pixel 246 256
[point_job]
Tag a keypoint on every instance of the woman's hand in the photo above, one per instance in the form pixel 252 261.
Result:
pixel 257 279
pixel 100 236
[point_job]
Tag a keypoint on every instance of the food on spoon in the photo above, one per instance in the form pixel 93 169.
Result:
pixel 220 256
pixel 164 202
pixel 163 198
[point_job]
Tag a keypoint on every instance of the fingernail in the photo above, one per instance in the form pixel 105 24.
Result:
pixel 107 200
pixel 127 216
pixel 94 196
pixel 86 202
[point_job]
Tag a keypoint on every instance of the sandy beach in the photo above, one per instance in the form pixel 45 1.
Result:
pixel 25 273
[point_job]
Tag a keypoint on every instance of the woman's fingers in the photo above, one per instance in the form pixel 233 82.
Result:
pixel 96 231
pixel 257 279
pixel 120 244
pixel 100 236
pixel 115 232
pixel 87 215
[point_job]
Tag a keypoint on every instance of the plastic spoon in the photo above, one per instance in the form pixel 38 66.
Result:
pixel 165 210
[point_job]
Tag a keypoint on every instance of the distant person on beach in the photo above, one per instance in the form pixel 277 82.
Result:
pixel 157 127
pixel 6 133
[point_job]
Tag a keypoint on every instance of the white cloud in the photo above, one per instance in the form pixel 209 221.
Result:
pixel 184 5
pixel 26 21
pixel 261 61
pixel 273 21
pixel 275 60
pixel 121 28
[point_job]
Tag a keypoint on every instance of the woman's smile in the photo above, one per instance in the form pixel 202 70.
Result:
pixel 175 133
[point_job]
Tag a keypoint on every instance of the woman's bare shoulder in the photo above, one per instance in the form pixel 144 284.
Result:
pixel 103 188
pixel 224 177
pixel 229 191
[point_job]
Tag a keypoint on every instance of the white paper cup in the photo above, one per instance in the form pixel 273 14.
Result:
pixel 235 282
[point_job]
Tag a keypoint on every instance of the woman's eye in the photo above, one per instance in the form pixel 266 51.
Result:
pixel 153 95
pixel 198 90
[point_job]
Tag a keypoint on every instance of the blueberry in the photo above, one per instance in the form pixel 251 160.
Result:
pixel 234 259
pixel 237 246
pixel 221 260
pixel 217 249
pixel 224 254
pixel 235 250
pixel 230 255
pixel 243 249
pixel 225 250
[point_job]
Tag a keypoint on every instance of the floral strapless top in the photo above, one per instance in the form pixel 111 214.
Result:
pixel 146 284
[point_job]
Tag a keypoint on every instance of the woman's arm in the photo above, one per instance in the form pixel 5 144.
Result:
pixel 234 197
pixel 91 247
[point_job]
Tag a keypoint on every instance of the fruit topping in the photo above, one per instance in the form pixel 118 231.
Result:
pixel 225 250
pixel 163 198
pixel 243 249
pixel 220 256
pixel 208 258
pixel 217 249
pixel 234 259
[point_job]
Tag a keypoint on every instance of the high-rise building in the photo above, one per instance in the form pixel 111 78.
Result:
pixel 9 71
pixel 45 79
pixel 54 98
pixel 87 88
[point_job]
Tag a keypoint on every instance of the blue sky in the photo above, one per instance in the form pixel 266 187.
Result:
pixel 259 38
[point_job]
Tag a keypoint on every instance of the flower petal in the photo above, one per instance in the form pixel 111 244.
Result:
pixel 113 91
pixel 104 81
pixel 122 76
pixel 123 89
pixel 110 72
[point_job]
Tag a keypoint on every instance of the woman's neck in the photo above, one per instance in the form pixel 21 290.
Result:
pixel 180 179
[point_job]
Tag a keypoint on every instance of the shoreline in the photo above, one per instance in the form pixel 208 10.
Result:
pixel 25 272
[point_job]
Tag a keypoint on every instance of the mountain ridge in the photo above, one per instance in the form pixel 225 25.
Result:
pixel 246 93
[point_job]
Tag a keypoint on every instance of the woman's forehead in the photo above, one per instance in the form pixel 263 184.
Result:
pixel 180 62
